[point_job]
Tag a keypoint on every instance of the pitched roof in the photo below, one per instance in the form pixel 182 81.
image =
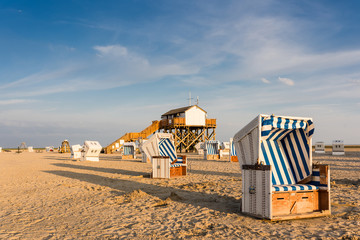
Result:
pixel 180 110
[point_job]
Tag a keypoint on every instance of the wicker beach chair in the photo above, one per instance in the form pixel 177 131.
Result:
pixel 279 180
pixel 76 151
pixel 129 150
pixel 211 151
pixel 91 151
pixel 338 147
pixel 319 147
pixel 161 150
pixel 232 155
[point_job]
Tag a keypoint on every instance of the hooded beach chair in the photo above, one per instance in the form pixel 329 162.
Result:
pixel 319 147
pixel 76 151
pixel 144 158
pixel 91 151
pixel 232 155
pixel 211 151
pixel 160 148
pixel 279 180
pixel 200 148
pixel 338 147
pixel 129 150
pixel 224 150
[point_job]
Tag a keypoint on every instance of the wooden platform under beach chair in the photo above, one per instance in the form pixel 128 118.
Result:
pixel 161 150
pixel 279 180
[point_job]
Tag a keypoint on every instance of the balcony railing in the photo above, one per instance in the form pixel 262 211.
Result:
pixel 179 122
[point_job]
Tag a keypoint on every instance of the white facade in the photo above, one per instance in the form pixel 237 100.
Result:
pixel 91 151
pixel 195 116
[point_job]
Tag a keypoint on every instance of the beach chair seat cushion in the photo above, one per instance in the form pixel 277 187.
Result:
pixel 294 187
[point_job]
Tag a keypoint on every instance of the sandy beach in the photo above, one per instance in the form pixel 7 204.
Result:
pixel 49 196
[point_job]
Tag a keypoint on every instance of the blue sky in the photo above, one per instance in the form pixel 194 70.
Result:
pixel 95 70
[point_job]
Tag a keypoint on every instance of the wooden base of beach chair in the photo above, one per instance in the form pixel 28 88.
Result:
pixel 302 215
pixel 212 157
pixel 177 171
pixel 234 159
pixel 301 204
pixel 127 157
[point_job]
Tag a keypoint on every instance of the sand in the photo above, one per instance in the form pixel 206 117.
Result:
pixel 49 196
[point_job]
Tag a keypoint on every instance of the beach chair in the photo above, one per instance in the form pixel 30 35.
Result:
pixel 144 157
pixel 91 151
pixel 129 150
pixel 319 147
pixel 160 148
pixel 211 151
pixel 338 147
pixel 279 180
pixel 232 155
pixel 224 151
pixel 76 151
pixel 31 149
pixel 200 148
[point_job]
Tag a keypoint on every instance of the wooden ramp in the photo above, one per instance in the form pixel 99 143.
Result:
pixel 133 136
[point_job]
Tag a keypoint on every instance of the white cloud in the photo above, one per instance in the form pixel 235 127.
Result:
pixel 264 80
pixel 111 50
pixel 286 81
pixel 14 101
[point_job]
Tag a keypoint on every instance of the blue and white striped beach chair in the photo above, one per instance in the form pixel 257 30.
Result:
pixel 232 155
pixel 129 150
pixel 161 149
pixel 279 179
pixel 211 151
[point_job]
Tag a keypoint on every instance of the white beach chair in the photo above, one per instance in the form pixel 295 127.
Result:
pixel 144 157
pixel 224 150
pixel 76 151
pixel 279 180
pixel 129 150
pixel 91 151
pixel 211 151
pixel 200 148
pixel 319 147
pixel 160 148
pixel 338 147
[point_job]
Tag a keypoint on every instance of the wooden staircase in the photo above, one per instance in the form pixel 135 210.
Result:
pixel 134 136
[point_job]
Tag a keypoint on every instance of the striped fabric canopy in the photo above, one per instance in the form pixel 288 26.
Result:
pixel 212 147
pixel 285 146
pixel 232 149
pixel 167 148
pixel 128 150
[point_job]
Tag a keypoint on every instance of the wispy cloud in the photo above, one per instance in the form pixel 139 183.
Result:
pixel 264 80
pixel 286 81
pixel 15 101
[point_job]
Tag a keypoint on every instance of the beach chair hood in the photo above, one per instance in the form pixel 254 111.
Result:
pixel 279 141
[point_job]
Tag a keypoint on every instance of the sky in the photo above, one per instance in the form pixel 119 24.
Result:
pixel 94 70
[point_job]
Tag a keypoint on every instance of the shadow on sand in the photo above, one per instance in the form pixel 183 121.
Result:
pixel 197 199
pixel 105 170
